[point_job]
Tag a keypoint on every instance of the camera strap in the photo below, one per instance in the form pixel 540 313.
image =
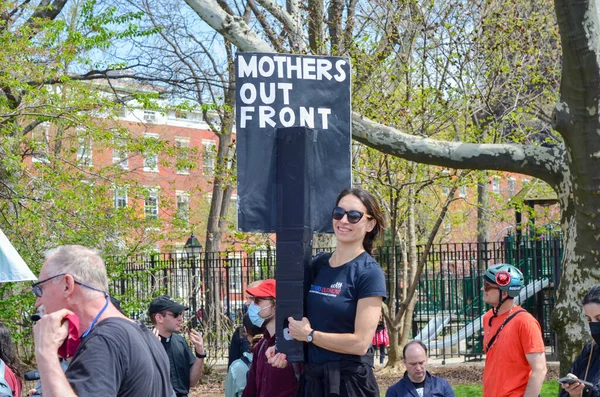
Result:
pixel 491 342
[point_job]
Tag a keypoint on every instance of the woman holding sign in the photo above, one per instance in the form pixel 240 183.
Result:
pixel 343 305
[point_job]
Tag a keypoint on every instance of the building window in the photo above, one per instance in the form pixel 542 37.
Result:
pixel 511 186
pixel 183 147
pixel 183 206
pixel 120 156
pixel 525 182
pixel 39 143
pixel 496 185
pixel 150 116
pixel 151 159
pixel 235 272
pixel 445 190
pixel 462 192
pixel 208 157
pixel 181 115
pixel 120 198
pixel 84 151
pixel 151 204
pixel 230 155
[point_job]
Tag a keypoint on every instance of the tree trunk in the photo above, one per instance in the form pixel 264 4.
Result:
pixel 483 220
pixel 413 263
pixel 576 119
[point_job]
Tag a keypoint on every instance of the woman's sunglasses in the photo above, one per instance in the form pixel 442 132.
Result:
pixel 353 215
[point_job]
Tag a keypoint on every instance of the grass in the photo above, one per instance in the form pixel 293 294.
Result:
pixel 549 389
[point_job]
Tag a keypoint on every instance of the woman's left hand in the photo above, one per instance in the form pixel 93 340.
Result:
pixel 299 329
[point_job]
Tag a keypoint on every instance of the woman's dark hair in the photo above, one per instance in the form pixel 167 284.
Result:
pixel 593 295
pixel 372 209
pixel 7 351
pixel 255 332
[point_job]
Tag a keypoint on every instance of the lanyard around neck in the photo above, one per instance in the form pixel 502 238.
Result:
pixel 95 320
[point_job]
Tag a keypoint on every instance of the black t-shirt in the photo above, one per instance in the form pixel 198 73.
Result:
pixel 181 359
pixel 419 387
pixel 120 358
pixel 333 296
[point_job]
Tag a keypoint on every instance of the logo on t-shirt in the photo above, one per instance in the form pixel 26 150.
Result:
pixel 334 290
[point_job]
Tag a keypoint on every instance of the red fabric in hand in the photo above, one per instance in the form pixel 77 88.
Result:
pixel 70 345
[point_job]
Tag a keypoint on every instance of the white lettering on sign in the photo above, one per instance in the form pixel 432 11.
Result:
pixel 286 117
pixel 291 67
pixel 267 96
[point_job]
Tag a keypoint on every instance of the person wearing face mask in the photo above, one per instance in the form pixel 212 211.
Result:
pixel 265 380
pixel 587 365
pixel 239 344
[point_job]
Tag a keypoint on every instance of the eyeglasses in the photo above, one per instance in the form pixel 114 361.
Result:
pixel 37 289
pixel 487 286
pixel 354 216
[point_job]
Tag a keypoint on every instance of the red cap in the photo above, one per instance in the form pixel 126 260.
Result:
pixel 266 289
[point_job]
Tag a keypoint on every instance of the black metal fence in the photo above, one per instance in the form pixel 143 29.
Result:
pixel 448 306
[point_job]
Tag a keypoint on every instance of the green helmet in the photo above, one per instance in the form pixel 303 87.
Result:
pixel 507 277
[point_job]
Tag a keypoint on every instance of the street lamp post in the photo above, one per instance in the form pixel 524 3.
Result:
pixel 193 249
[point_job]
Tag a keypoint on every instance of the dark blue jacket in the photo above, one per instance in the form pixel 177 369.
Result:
pixel 579 366
pixel 434 387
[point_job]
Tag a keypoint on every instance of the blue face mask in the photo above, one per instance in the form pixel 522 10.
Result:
pixel 253 311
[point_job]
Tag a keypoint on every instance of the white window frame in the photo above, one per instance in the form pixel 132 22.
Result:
pixel 511 186
pixel 151 160
pixel 208 157
pixel 39 136
pixel 150 116
pixel 183 197
pixel 151 212
pixel 182 143
pixel 85 151
pixel 120 196
pixel 462 191
pixel 120 157
pixel 235 272
pixel 496 184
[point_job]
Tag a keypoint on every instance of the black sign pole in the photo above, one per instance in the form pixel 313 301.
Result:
pixel 295 157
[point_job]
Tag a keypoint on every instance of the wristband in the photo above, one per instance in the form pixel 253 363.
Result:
pixel 200 355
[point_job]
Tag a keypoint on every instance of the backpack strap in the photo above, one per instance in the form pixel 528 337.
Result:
pixel 246 360
pixel 493 340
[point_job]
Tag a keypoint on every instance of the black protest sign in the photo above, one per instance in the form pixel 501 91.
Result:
pixel 280 90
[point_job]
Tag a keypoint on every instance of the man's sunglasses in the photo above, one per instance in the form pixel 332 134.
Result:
pixel 174 315
pixel 37 289
pixel 353 215
pixel 487 286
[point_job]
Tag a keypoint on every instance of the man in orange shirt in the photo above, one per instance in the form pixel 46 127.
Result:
pixel 515 364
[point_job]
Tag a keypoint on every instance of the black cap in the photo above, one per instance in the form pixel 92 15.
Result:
pixel 165 302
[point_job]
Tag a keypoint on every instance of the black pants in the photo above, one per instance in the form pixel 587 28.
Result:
pixel 338 378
